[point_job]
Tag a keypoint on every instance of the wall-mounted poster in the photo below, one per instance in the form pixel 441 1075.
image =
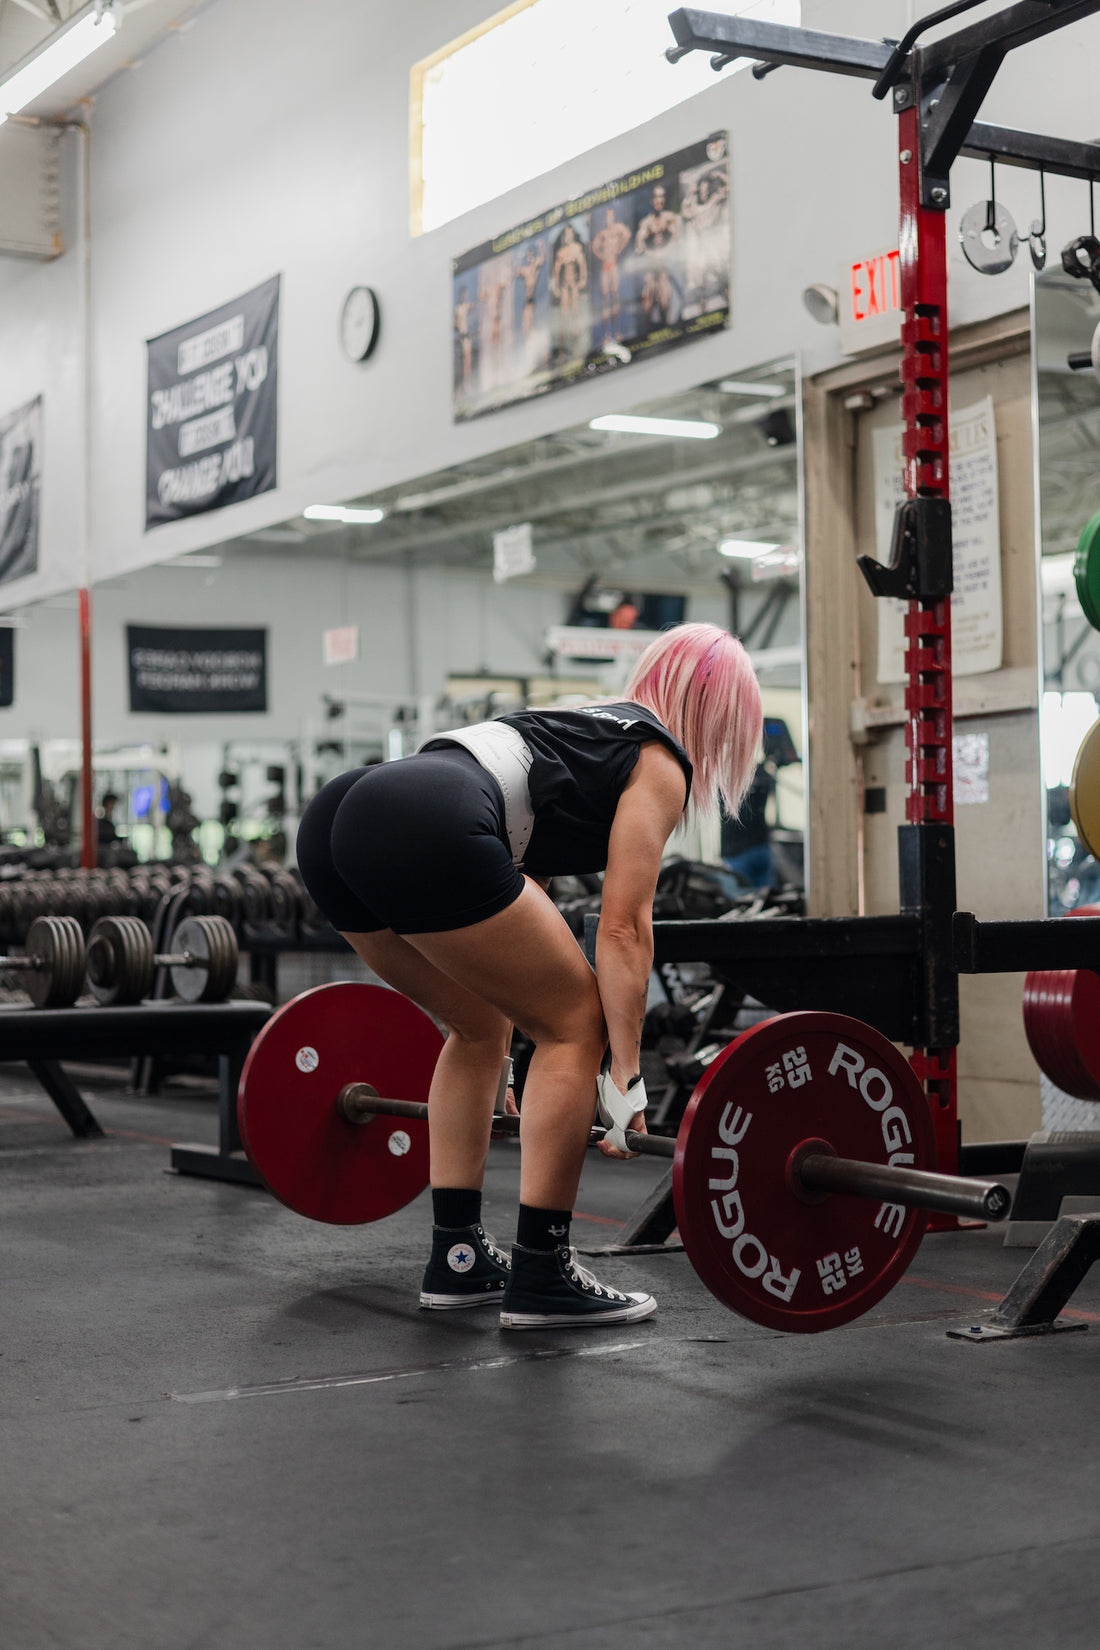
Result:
pixel 623 272
pixel 20 466
pixel 213 396
pixel 196 671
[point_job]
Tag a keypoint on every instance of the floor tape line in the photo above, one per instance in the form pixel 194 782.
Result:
pixel 986 1295
pixel 323 1383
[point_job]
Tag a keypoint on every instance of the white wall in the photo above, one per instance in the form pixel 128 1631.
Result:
pixel 254 143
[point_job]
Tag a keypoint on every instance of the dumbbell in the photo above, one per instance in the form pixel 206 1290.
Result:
pixel 122 965
pixel 53 962
pixel 802 1170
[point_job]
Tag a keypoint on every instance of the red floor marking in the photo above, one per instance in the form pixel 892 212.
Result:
pixel 135 1134
pixel 986 1295
pixel 598 1220
pixel 44 1116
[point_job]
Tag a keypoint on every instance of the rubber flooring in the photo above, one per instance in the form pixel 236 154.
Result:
pixel 226 1428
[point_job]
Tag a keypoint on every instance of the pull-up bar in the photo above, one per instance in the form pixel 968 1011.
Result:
pixel 949 77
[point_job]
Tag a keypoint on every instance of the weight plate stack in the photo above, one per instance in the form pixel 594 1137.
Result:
pixel 1062 1023
pixel 7 914
pixel 56 945
pixel 227 900
pixel 285 904
pixel 255 899
pixel 211 941
pixel 120 961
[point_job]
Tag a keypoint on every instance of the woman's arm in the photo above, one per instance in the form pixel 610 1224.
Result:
pixel 648 812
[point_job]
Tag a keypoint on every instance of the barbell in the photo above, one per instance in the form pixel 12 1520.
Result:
pixel 800 1170
pixel 121 963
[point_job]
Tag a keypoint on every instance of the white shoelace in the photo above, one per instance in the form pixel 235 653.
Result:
pixel 491 1249
pixel 580 1274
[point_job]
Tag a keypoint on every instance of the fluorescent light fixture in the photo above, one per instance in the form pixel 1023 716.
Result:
pixel 60 53
pixel 748 549
pixel 346 513
pixel 741 386
pixel 629 425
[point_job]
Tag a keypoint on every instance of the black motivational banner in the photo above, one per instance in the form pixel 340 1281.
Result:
pixel 638 266
pixel 212 408
pixel 20 466
pixel 195 672
pixel 7 667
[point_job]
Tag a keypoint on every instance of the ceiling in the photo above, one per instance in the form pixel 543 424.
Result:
pixel 624 506
pixel 27 24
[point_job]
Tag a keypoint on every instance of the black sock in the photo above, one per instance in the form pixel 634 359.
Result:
pixel 542 1228
pixel 455 1206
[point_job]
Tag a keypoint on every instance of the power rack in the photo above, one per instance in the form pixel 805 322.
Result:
pixel 901 973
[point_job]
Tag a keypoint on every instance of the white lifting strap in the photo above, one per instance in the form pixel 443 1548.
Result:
pixel 503 752
pixel 617 1110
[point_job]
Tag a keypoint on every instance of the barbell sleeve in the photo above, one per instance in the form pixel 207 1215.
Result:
pixel 913 1188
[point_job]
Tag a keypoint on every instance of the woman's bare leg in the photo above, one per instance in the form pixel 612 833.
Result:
pixel 527 964
pixel 464 1083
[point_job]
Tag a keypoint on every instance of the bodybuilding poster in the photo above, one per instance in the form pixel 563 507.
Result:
pixel 20 466
pixel 211 415
pixel 630 269
pixel 194 672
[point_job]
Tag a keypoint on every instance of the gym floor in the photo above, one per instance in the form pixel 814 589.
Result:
pixel 226 1428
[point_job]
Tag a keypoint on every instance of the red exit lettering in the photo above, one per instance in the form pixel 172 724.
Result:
pixel 876 285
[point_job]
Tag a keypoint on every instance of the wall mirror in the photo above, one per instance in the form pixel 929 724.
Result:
pixel 1066 317
pixel 620 528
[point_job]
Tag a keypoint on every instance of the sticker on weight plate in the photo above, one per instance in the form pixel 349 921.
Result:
pixel 461 1257
pixel 399 1142
pixel 307 1059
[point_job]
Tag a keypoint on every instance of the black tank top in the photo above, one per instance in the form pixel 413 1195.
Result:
pixel 582 760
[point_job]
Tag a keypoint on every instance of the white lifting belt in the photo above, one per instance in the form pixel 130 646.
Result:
pixel 503 752
pixel 617 1110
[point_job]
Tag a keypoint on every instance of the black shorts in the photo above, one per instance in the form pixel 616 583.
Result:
pixel 418 846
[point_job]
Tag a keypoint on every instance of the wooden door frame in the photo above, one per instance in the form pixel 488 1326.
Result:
pixel 831 402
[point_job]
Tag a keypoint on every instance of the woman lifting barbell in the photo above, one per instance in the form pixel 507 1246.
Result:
pixel 434 870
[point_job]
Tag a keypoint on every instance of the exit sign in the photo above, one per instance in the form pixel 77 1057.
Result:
pixel 870 301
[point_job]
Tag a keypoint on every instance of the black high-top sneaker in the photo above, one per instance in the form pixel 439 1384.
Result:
pixel 547 1289
pixel 466 1269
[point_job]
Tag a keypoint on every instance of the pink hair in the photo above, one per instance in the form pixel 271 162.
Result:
pixel 698 680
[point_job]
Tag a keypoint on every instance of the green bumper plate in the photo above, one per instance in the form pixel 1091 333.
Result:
pixel 1086 571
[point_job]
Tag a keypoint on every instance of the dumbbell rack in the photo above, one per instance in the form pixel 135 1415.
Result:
pixel 911 991
pixel 44 1037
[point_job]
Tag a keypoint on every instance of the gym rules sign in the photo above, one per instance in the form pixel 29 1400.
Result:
pixel 211 417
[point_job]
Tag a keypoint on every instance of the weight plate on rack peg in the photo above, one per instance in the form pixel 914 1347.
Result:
pixel 309 1156
pixel 1086 563
pixel 57 946
pixel 1084 790
pixel 793 1083
pixel 120 961
pixel 212 942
